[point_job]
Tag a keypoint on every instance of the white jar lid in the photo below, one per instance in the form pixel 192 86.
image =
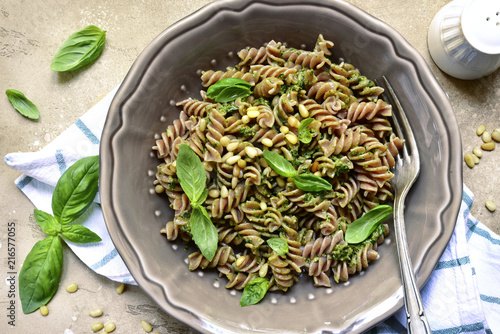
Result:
pixel 481 25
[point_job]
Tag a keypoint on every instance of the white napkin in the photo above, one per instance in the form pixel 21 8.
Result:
pixel 461 296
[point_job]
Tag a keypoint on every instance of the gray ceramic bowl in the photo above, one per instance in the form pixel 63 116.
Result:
pixel 167 72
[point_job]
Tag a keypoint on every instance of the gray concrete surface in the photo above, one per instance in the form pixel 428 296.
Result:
pixel 30 34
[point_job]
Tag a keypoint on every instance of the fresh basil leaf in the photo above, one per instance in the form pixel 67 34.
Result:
pixel 304 134
pixel 79 234
pixel 47 222
pixel 81 48
pixel 254 291
pixel 204 233
pixel 22 104
pixel 279 245
pixel 360 229
pixel 40 274
pixel 311 182
pixel 191 174
pixel 76 189
pixel 279 164
pixel 229 89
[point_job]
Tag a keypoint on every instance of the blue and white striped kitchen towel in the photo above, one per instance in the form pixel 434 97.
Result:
pixel 461 296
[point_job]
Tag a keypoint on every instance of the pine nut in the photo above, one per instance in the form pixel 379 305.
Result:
pixel 291 138
pixel 477 152
pixel 495 135
pixel 251 152
pixel 476 159
pixel 245 119
pixel 303 111
pixel 281 182
pixel 242 163
pixel 240 260
pixel 490 205
pixel 284 129
pixel 224 192
pixel 469 160
pixel 486 137
pixel 110 327
pixel 253 112
pixel 97 326
pixel 318 174
pixel 146 326
pixel 267 142
pixel 120 289
pixel 263 270
pixel 232 160
pixel 44 310
pixel 214 193
pixel 95 313
pixel 224 141
pixel 159 189
pixel 488 146
pixel 202 125
pixel 226 156
pixel 480 129
pixel 293 122
pixel 233 146
pixel 72 288
pixel 236 169
pixel 263 206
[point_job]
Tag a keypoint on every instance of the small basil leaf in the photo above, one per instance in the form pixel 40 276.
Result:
pixel 191 174
pixel 360 229
pixel 254 291
pixel 304 134
pixel 311 182
pixel 79 234
pixel 279 164
pixel 47 222
pixel 40 275
pixel 81 48
pixel 279 245
pixel 22 104
pixel 229 94
pixel 76 189
pixel 204 233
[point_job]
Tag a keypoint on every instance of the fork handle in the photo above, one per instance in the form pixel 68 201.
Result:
pixel 415 314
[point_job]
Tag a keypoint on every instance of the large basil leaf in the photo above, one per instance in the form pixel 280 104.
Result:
pixel 22 104
pixel 79 234
pixel 279 245
pixel 228 89
pixel 76 189
pixel 40 275
pixel 47 222
pixel 254 291
pixel 191 174
pixel 304 134
pixel 311 182
pixel 81 48
pixel 204 233
pixel 279 164
pixel 360 229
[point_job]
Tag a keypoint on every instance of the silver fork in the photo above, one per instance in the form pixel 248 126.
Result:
pixel 406 171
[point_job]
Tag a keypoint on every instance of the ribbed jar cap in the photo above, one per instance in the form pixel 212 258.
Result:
pixel 481 25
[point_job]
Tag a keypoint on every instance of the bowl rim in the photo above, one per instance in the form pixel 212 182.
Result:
pixel 136 74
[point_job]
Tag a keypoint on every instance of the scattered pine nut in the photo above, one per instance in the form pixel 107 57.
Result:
pixel 486 137
pixel 490 205
pixel 232 160
pixel 284 129
pixel 97 326
pixel 476 159
pixel 251 152
pixel 293 122
pixel 253 112
pixel 214 193
pixel 226 156
pixel 232 146
pixel 110 327
pixel 44 310
pixel 224 141
pixel 120 289
pixel 263 206
pixel 495 135
pixel 245 119
pixel 477 152
pixel 146 326
pixel 267 142
pixel 303 111
pixel 469 160
pixel 291 138
pixel 95 313
pixel 240 260
pixel 72 288
pixel 480 129
pixel 242 163
pixel 159 189
pixel 488 146
pixel 224 192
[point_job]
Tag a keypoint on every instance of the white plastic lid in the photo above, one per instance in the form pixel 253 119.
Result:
pixel 481 25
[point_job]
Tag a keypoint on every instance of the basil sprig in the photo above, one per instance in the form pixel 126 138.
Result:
pixel 41 272
pixel 80 49
pixel 360 229
pixel 193 180
pixel 22 104
pixel 229 89
pixel 279 245
pixel 254 291
pixel 305 182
